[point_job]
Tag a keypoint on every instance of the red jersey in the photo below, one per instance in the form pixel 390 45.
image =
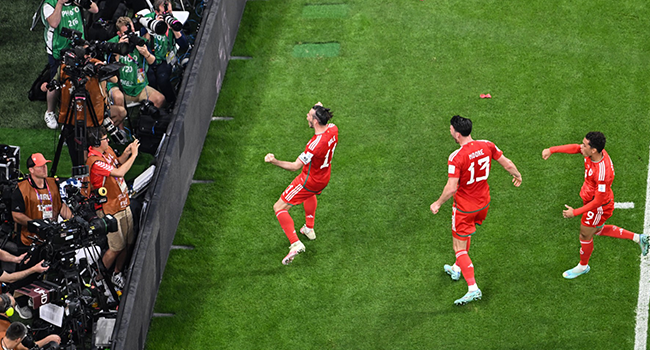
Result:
pixel 596 191
pixel 597 188
pixel 471 164
pixel 317 159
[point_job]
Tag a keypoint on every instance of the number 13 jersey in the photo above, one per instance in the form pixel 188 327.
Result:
pixel 317 159
pixel 471 164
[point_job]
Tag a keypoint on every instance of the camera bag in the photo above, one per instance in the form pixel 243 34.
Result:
pixel 35 93
pixel 150 131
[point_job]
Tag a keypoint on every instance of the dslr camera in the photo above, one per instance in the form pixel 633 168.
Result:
pixel 84 4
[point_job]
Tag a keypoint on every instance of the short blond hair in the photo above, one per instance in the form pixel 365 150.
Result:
pixel 123 21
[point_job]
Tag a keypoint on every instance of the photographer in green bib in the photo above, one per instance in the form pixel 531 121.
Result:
pixel 133 76
pixel 56 15
pixel 163 45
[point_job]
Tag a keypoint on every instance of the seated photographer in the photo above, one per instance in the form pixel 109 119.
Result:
pixel 56 15
pixel 133 76
pixel 164 48
pixel 15 336
pixel 36 197
pixel 108 170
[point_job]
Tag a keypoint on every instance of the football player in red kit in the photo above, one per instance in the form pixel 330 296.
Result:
pixel 468 171
pixel 597 199
pixel 315 162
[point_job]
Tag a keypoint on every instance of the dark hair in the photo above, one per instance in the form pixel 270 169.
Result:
pixel 16 331
pixel 461 125
pixel 95 136
pixel 323 114
pixel 596 140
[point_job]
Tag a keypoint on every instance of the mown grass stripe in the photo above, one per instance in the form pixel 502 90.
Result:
pixel 326 11
pixel 308 50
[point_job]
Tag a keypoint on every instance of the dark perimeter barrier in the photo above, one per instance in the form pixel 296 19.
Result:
pixel 176 162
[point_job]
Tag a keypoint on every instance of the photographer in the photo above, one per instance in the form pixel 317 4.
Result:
pixel 164 49
pixel 108 170
pixel 56 15
pixel 15 337
pixel 133 76
pixel 71 76
pixel 36 197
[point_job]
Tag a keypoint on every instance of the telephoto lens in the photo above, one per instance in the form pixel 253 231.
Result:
pixel 172 22
pixel 114 132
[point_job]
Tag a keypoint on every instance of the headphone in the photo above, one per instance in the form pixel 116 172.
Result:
pixel 6 307
pixel 94 138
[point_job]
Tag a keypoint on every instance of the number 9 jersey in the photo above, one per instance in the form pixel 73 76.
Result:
pixel 317 159
pixel 471 164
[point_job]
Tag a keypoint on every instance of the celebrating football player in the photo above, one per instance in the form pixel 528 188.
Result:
pixel 597 199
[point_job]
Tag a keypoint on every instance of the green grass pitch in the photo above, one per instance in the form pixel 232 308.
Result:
pixel 373 279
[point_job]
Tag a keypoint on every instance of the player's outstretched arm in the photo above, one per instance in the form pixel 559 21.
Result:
pixel 450 188
pixel 512 169
pixel 291 166
pixel 570 149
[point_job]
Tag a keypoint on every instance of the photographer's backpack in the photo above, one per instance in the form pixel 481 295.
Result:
pixel 35 93
pixel 152 125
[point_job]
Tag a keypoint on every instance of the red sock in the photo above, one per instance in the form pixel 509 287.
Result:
pixel 310 211
pixel 286 222
pixel 585 251
pixel 616 232
pixel 466 267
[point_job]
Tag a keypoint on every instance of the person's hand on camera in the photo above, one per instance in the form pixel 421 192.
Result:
pixel 19 259
pixel 39 268
pixel 143 50
pixel 124 39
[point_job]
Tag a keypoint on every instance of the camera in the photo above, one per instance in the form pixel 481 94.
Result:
pixel 134 39
pixel 172 22
pixel 114 132
pixel 85 4
pixel 153 25
pixel 148 108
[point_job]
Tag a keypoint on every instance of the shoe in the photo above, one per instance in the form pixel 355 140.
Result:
pixel 294 250
pixel 50 120
pixel 310 233
pixel 470 296
pixel 24 312
pixel 644 242
pixel 455 275
pixel 575 272
pixel 118 280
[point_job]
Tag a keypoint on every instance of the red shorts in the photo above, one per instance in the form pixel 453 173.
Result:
pixel 295 193
pixel 598 216
pixel 463 224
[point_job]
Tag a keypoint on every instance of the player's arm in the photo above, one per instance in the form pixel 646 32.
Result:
pixel 291 166
pixel 511 168
pixel 570 149
pixel 600 198
pixel 450 189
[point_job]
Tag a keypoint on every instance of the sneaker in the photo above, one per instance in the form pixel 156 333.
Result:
pixel 470 296
pixel 309 232
pixel 455 275
pixel 24 312
pixel 294 250
pixel 118 280
pixel 50 120
pixel 575 272
pixel 644 242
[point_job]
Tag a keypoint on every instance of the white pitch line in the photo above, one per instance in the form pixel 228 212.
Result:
pixel 641 329
pixel 624 205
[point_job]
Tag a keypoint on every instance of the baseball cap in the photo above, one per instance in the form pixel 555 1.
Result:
pixel 36 159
